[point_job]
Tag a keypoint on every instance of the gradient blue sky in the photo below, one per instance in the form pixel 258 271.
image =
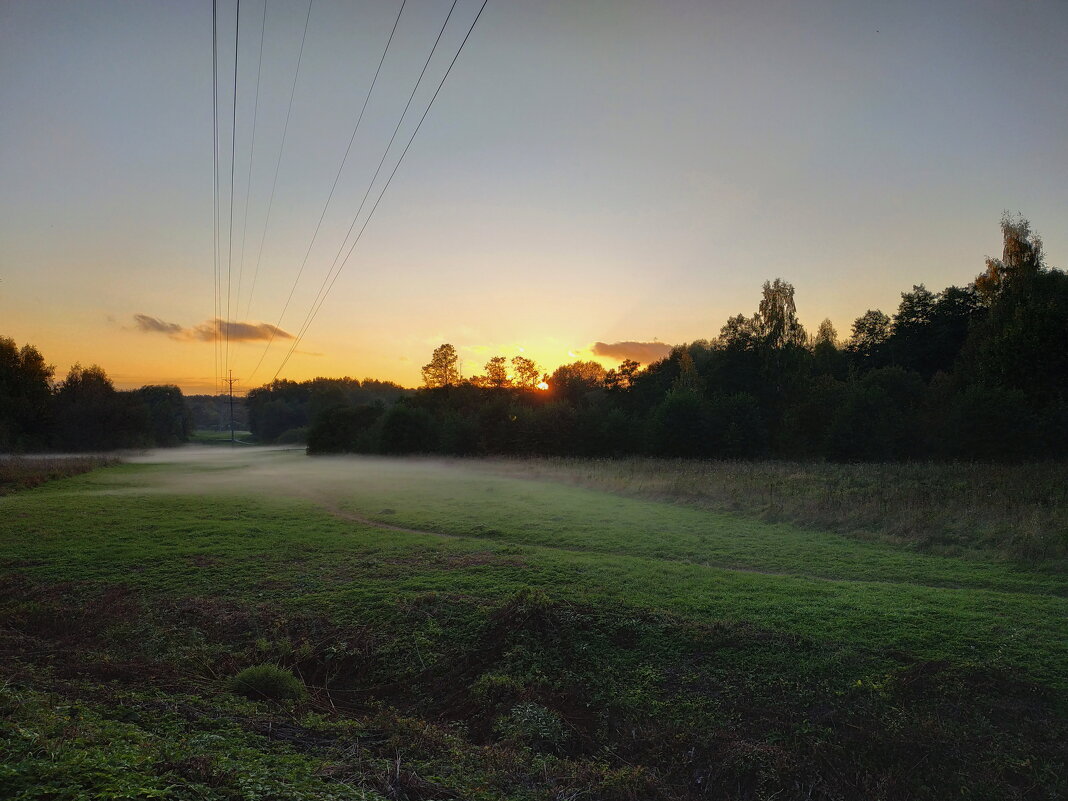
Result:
pixel 592 171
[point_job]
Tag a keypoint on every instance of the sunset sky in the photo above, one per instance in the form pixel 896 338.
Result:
pixel 591 172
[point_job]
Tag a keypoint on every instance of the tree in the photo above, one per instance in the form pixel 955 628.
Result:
pixel 344 429
pixel 870 331
pixel 576 378
pixel 826 335
pixel 92 416
pixel 739 333
pixel 776 322
pixel 496 374
pixel 827 358
pixel 910 331
pixel 407 430
pixel 443 369
pixel 25 397
pixel 680 425
pixel 688 379
pixel 527 373
pixel 1021 257
pixel 170 420
pixel 623 376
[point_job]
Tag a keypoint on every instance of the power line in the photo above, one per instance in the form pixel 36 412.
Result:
pixel 316 308
pixel 333 186
pixel 251 155
pixel 378 170
pixel 278 163
pixel 233 159
pixel 215 178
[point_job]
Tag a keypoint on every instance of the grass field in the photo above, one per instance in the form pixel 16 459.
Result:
pixel 527 630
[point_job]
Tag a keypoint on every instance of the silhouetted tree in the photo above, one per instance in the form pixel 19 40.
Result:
pixel 497 373
pixel 870 332
pixel 827 357
pixel 25 397
pixel 169 419
pixel 621 378
pixel 92 416
pixel 1021 257
pixel 526 371
pixel 739 333
pixel 443 369
pixel 407 430
pixel 776 323
pixel 680 425
pixel 576 380
pixel 345 429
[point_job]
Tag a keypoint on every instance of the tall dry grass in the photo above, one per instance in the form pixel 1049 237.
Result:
pixel 22 472
pixel 1019 511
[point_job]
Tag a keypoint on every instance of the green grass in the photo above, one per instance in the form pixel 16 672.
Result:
pixel 679 648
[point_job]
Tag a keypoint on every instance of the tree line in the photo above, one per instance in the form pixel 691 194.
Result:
pixel 978 372
pixel 84 411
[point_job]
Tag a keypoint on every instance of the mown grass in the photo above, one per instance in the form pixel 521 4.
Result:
pixel 557 642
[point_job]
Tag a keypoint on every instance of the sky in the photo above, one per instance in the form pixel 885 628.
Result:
pixel 594 179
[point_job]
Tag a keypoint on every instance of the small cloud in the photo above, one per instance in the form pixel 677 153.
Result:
pixel 643 352
pixel 154 325
pixel 237 332
pixel 209 330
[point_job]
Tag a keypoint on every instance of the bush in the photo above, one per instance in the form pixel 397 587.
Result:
pixel 533 726
pixel 267 683
pixel 292 436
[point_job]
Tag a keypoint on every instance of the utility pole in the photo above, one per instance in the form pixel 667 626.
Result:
pixel 231 381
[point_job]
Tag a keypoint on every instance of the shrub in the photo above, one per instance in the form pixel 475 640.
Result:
pixel 267 683
pixel 292 436
pixel 534 726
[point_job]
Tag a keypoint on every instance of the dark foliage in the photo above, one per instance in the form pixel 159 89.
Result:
pixel 974 373
pixel 284 405
pixel 212 412
pixel 84 412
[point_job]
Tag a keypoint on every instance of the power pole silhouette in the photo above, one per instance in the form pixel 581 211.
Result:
pixel 231 381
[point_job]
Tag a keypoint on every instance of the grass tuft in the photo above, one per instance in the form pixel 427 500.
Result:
pixel 267 683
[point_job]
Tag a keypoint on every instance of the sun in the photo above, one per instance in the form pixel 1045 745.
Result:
pixel 543 385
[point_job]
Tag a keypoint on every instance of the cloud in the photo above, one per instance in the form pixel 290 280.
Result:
pixel 644 352
pixel 154 325
pixel 207 331
pixel 237 332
